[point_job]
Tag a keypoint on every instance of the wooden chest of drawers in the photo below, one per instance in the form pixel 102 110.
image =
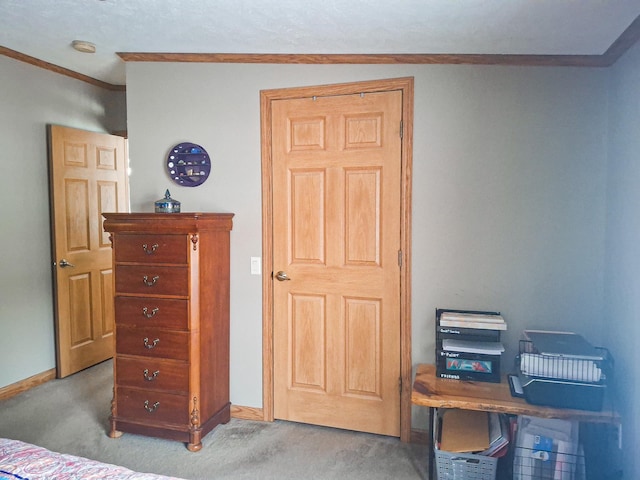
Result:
pixel 171 284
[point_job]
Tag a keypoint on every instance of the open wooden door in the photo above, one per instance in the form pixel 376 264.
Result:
pixel 88 176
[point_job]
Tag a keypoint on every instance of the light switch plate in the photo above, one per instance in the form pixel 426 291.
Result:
pixel 256 268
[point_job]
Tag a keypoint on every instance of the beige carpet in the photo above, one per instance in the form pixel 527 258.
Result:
pixel 71 416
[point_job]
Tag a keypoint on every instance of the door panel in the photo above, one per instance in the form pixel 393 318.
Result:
pixel 108 307
pixel 362 347
pixel 107 202
pixel 336 234
pixel 362 222
pixel 88 177
pixel 307 217
pixel 79 301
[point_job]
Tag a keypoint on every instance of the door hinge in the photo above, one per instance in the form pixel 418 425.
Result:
pixel 401 129
pixel 400 258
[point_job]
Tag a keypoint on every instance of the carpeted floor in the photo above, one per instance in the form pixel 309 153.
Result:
pixel 71 416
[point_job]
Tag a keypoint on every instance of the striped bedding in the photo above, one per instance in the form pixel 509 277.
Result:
pixel 23 461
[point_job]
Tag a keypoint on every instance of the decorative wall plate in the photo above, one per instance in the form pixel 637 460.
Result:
pixel 188 164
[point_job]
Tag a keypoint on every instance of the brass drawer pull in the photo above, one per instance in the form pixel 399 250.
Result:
pixel 151 283
pixel 150 345
pixel 151 408
pixel 145 312
pixel 150 378
pixel 150 251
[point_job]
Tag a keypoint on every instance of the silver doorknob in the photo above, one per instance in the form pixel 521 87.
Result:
pixel 64 264
pixel 282 276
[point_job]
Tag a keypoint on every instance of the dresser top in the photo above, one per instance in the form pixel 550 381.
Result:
pixel 184 222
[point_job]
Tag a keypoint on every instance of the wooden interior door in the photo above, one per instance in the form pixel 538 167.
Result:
pixel 88 174
pixel 336 164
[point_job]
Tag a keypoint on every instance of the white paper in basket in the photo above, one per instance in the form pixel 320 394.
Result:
pixel 561 368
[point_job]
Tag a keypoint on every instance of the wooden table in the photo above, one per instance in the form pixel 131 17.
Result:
pixel 433 392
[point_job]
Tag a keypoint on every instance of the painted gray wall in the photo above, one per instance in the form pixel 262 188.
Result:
pixel 31 98
pixel 511 195
pixel 622 298
pixel 509 187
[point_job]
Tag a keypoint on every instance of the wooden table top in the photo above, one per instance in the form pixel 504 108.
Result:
pixel 431 391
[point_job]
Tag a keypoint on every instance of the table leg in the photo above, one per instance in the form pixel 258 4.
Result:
pixel 432 455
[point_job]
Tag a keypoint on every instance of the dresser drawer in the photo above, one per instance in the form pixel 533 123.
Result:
pixel 152 280
pixel 152 373
pixel 151 406
pixel 151 248
pixel 152 312
pixel 152 342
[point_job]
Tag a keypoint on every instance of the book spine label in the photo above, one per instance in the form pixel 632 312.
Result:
pixel 469 334
pixel 477 332
pixel 469 355
pixel 470 377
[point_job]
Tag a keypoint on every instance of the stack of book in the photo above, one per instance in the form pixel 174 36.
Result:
pixel 468 345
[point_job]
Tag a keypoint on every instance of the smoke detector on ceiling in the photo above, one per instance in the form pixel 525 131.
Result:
pixel 84 47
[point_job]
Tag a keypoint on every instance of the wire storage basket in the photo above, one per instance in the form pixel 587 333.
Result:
pixel 530 464
pixel 564 381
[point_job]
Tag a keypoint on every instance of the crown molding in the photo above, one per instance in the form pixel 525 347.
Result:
pixel 61 70
pixel 624 42
pixel 388 59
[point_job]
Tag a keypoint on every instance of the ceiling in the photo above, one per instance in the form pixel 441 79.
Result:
pixel 44 29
